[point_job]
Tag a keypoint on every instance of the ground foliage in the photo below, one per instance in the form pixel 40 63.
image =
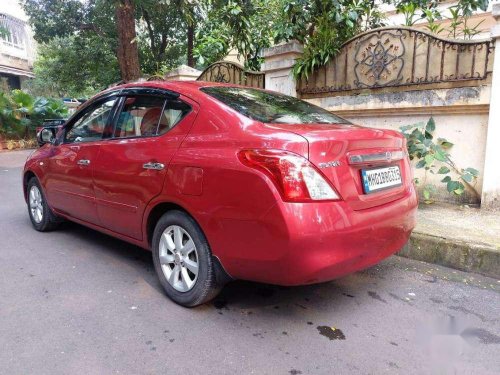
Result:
pixel 433 156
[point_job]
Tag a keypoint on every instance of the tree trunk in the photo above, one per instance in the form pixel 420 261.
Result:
pixel 190 45
pixel 128 55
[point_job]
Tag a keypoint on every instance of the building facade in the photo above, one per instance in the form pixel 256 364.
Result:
pixel 17 47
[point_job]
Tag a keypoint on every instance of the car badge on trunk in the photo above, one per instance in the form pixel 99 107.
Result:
pixel 334 163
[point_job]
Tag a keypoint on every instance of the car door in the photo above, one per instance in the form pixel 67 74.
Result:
pixel 132 164
pixel 70 173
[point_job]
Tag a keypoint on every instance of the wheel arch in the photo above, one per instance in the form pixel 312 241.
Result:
pixel 157 211
pixel 28 175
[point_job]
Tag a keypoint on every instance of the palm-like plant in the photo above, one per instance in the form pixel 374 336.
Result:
pixel 20 113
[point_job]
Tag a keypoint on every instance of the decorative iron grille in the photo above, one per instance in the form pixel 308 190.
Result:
pixel 229 72
pixel 401 56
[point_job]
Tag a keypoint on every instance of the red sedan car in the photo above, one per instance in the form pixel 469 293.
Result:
pixel 226 182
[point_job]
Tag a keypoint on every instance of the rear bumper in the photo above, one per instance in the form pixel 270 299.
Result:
pixel 295 244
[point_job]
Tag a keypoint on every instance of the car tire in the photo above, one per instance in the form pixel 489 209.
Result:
pixel 41 216
pixel 178 245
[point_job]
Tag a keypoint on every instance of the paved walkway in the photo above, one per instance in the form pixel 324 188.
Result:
pixel 467 239
pixel 463 224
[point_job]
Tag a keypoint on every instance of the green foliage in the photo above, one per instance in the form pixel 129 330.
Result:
pixel 433 17
pixel 323 26
pixel 78 42
pixel 415 10
pixel 246 26
pixel 54 18
pixel 162 33
pixel 73 66
pixel 321 47
pixel 21 113
pixel 459 22
pixel 409 10
pixel 433 156
pixel 211 46
pixel 78 39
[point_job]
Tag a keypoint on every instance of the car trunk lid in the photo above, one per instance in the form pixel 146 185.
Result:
pixel 343 151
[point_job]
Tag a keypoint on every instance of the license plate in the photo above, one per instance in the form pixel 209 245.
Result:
pixel 380 178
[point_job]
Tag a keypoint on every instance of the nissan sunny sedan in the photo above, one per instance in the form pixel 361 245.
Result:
pixel 225 182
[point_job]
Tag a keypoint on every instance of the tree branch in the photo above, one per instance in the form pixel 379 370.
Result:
pixel 92 27
pixel 163 44
pixel 151 33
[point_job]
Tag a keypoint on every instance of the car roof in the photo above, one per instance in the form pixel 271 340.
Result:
pixel 188 88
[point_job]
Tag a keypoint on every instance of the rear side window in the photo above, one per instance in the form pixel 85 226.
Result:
pixel 145 116
pixel 272 107
pixel 174 111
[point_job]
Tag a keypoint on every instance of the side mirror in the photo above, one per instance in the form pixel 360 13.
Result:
pixel 46 136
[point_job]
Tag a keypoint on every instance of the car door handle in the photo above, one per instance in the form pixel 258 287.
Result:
pixel 153 165
pixel 83 162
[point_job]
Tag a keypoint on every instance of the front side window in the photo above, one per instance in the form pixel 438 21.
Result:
pixel 145 116
pixel 91 125
pixel 270 107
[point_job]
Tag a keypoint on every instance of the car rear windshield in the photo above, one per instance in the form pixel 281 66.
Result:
pixel 270 107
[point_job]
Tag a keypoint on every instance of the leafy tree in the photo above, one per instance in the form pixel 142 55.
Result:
pixel 162 36
pixel 244 25
pixel 54 18
pixel 160 25
pixel 74 66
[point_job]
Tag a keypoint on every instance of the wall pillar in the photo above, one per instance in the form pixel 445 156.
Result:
pixel 491 183
pixel 278 64
pixel 182 73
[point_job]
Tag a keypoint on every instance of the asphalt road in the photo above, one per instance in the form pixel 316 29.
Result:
pixel 75 301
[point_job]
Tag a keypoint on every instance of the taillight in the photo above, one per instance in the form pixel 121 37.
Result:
pixel 295 177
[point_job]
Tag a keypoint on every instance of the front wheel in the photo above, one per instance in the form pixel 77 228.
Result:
pixel 183 260
pixel 42 217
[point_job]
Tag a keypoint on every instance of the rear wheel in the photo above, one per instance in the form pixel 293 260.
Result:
pixel 42 217
pixel 183 260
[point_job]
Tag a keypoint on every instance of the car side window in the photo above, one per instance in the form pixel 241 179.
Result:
pixel 139 116
pixel 174 111
pixel 90 127
pixel 145 116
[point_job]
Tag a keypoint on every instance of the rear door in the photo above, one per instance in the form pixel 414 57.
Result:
pixel 131 166
pixel 69 182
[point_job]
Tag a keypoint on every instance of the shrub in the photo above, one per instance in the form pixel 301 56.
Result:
pixel 432 155
pixel 21 113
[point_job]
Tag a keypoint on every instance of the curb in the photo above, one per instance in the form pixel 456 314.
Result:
pixel 464 256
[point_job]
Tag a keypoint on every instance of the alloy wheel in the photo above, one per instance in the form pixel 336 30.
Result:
pixel 36 204
pixel 178 258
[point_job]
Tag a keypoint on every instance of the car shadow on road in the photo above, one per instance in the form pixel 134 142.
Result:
pixel 242 296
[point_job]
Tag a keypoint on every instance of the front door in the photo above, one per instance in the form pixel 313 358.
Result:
pixel 69 183
pixel 132 165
